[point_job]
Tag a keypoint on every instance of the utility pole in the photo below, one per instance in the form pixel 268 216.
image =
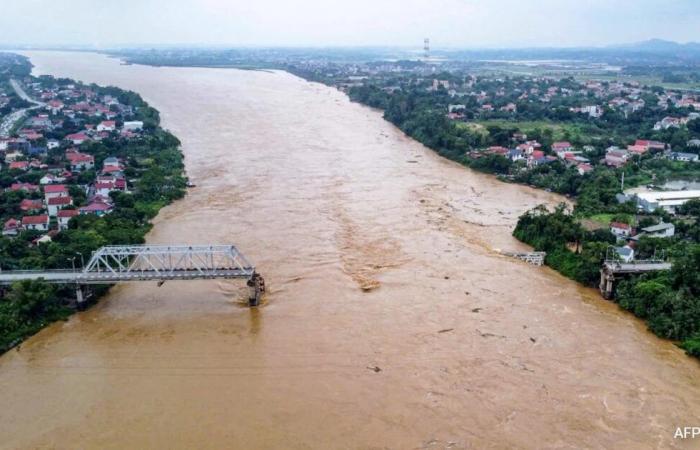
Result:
pixel 622 184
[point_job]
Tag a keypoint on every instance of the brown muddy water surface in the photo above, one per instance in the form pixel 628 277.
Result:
pixel 377 254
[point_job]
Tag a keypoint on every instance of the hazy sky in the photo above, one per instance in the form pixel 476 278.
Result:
pixel 464 23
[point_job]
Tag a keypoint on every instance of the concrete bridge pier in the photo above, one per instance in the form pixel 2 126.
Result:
pixel 607 284
pixel 80 298
pixel 256 286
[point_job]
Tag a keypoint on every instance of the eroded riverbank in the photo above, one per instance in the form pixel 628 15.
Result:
pixel 327 198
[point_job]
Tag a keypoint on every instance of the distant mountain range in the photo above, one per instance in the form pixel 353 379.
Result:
pixel 659 46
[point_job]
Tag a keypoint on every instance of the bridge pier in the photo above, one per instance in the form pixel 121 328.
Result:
pixel 80 298
pixel 256 286
pixel 607 284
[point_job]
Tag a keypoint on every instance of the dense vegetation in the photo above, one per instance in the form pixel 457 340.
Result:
pixel 668 301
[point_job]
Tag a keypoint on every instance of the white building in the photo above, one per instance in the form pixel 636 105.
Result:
pixel 134 125
pixel 668 200
pixel 660 230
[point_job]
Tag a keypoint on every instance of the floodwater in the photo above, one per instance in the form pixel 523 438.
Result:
pixel 391 321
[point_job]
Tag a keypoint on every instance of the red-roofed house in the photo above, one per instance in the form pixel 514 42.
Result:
pixel 616 158
pixel 104 188
pixel 107 125
pixel 637 149
pixel 27 187
pixel 584 168
pixel 80 161
pixel 11 227
pixel 19 165
pixel 64 216
pixel 651 145
pixel 77 138
pixel 55 204
pixel 31 205
pixel 563 146
pixel 37 223
pixel 55 106
pixel 620 229
pixel 55 190
pixel 97 208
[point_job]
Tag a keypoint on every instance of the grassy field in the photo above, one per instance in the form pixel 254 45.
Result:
pixel 645 80
pixel 582 74
pixel 559 130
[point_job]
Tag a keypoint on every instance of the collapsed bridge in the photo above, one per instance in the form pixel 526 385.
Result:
pixel 122 263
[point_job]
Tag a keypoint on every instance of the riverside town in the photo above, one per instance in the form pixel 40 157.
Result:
pixel 459 224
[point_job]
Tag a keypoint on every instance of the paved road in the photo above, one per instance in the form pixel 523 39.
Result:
pixel 11 119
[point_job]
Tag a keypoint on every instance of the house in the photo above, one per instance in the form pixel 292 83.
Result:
pixel 19 165
pixel 584 168
pixel 104 188
pixel 28 205
pixel 660 230
pixel 55 106
pixel 687 157
pixel 57 203
pixel 27 187
pixel 638 149
pixel 667 122
pixel 36 223
pixel 650 145
pixel 616 158
pixel 694 143
pixel 134 125
pixel 563 146
pixel 79 161
pixel 107 125
pixel 96 207
pixel 11 227
pixel 64 216
pixel 55 190
pixel 620 229
pixel 625 253
pixel 50 178
pixel 52 144
pixel 13 155
pixel 45 239
pixel 77 138
pixel 515 155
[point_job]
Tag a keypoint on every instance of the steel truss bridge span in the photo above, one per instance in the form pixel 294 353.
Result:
pixel 121 263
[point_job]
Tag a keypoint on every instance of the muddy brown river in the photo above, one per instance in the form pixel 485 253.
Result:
pixel 378 254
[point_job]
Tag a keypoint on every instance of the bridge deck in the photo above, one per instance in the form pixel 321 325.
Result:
pixel 66 277
pixel 615 267
pixel 114 264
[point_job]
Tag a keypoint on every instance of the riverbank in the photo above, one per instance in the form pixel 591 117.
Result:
pixel 111 177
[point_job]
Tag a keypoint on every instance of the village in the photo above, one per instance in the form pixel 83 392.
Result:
pixel 43 165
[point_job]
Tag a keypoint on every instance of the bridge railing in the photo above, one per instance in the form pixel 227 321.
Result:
pixel 38 271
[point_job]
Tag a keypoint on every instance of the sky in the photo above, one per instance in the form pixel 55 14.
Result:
pixel 319 23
